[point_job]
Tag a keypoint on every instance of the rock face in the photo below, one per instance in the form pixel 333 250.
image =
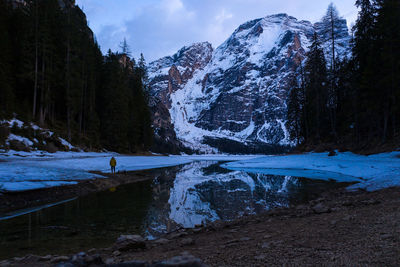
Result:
pixel 236 93
pixel 167 75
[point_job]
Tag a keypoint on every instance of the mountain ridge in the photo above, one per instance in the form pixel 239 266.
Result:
pixel 238 90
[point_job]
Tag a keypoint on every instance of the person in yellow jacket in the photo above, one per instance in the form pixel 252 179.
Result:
pixel 113 163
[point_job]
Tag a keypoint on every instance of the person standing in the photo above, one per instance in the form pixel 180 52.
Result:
pixel 113 163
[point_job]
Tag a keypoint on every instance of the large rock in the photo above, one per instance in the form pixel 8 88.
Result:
pixel 130 242
pixel 321 208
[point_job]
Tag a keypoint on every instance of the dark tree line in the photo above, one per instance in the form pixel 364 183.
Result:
pixel 354 100
pixel 52 71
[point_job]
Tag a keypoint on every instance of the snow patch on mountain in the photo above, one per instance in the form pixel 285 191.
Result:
pixel 237 91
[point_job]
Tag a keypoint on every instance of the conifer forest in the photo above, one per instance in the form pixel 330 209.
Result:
pixel 354 100
pixel 53 72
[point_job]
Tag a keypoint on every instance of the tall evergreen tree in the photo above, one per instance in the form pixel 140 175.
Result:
pixel 386 65
pixel 362 55
pixel 295 115
pixel 331 28
pixel 125 48
pixel 6 88
pixel 316 90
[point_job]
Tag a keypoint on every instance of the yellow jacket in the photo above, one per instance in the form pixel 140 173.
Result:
pixel 113 162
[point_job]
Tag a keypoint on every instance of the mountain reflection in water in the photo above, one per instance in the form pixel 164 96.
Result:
pixel 182 196
pixel 203 191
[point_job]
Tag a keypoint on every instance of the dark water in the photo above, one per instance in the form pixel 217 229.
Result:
pixel 183 196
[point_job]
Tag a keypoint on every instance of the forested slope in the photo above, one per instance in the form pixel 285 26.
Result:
pixel 52 72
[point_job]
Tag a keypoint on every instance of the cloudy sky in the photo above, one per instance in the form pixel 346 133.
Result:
pixel 161 27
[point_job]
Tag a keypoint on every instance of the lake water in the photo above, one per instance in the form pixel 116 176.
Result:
pixel 182 196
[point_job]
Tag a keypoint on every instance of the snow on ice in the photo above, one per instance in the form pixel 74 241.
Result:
pixel 32 170
pixel 21 171
pixel 372 172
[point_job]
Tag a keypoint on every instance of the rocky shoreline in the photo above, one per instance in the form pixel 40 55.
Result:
pixel 339 228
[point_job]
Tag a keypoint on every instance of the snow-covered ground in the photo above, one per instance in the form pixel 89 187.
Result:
pixel 32 170
pixel 372 172
pixel 32 143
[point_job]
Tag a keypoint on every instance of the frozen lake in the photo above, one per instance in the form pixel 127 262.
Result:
pixel 182 196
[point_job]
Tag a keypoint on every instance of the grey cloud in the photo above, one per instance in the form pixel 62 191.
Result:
pixel 160 27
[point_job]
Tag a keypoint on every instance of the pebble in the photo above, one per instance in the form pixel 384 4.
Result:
pixel 301 207
pixel 59 259
pixel 109 261
pixel 265 245
pixel 386 236
pixel 183 260
pixel 67 264
pixel 321 208
pixel 116 253
pixel 232 241
pixel 231 245
pixel 187 242
pixel 5 263
pixel 129 242
pixel 45 258
pixel 93 250
pixel 371 202
pixel 347 218
pixel 161 241
pixel 177 235
pixel 260 257
pixel 136 238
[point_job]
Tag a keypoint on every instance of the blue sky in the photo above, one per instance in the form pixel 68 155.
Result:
pixel 161 27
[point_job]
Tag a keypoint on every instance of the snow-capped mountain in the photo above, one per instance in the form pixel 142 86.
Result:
pixel 235 96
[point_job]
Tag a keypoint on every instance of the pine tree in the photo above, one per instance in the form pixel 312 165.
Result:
pixel 295 105
pixel 125 48
pixel 363 32
pixel 316 90
pixel 6 88
pixel 386 64
pixel 362 55
pixel 331 27
pixel 346 98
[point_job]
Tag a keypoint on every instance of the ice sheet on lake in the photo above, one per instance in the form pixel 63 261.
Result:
pixel 21 171
pixel 371 172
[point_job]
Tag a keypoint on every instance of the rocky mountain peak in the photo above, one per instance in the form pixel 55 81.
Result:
pixel 195 56
pixel 173 71
pixel 236 94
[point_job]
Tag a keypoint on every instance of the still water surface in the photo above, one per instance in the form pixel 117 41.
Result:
pixel 183 196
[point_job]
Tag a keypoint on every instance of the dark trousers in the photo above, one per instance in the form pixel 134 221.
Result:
pixel 112 169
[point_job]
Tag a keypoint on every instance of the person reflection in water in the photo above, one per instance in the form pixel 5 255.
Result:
pixel 113 163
